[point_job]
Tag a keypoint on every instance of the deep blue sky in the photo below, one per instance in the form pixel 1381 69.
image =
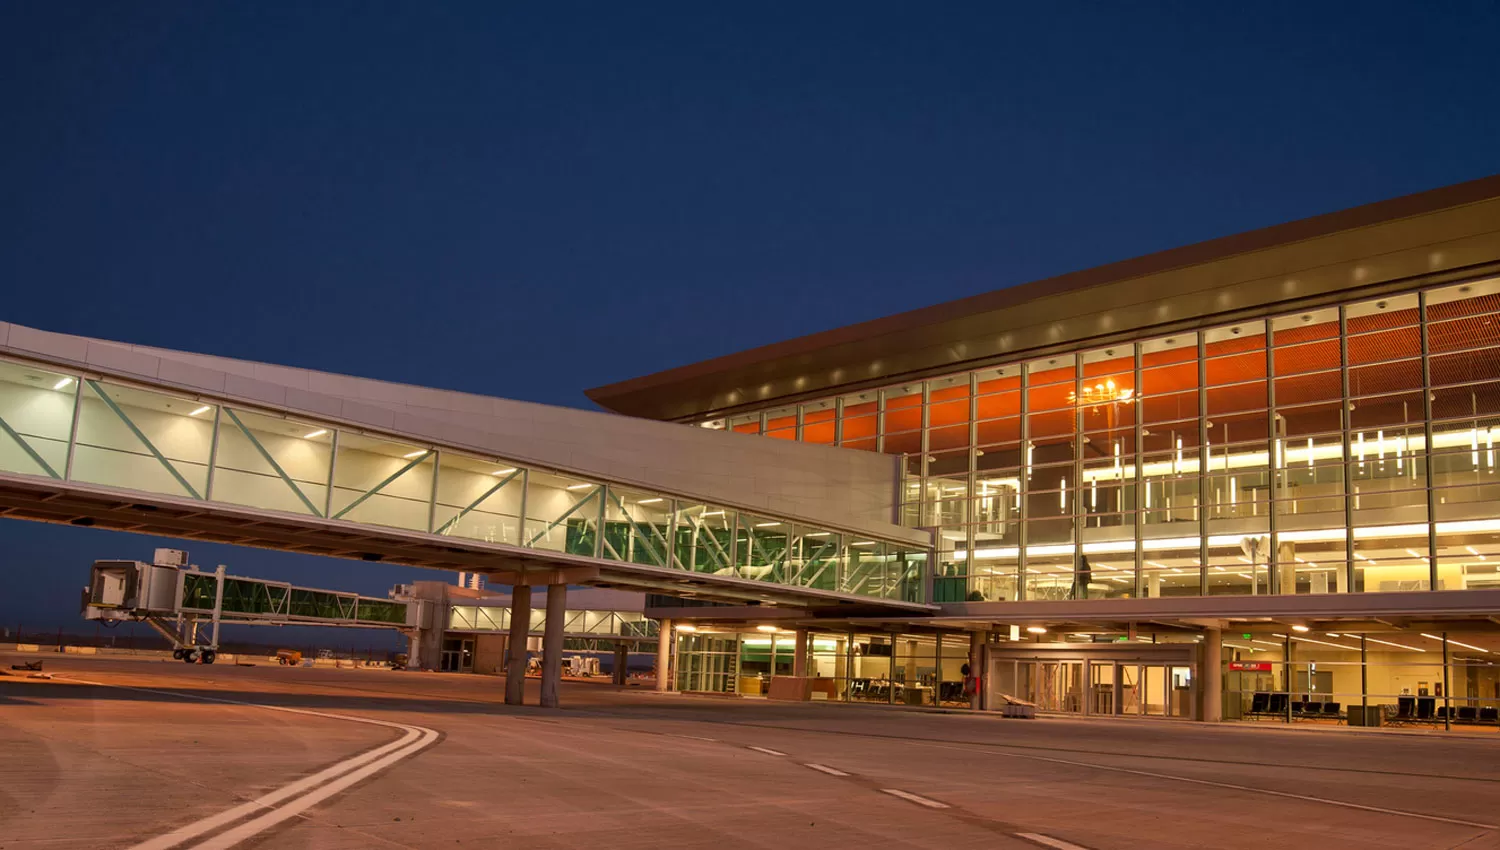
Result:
pixel 526 201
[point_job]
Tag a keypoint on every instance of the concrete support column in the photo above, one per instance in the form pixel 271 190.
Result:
pixel 552 643
pixel 799 661
pixel 1211 675
pixel 976 660
pixel 515 645
pixel 622 660
pixel 664 657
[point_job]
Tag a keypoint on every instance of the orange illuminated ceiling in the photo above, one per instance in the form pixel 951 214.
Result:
pixel 1384 375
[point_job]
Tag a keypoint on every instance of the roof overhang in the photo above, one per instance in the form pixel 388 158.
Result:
pixel 1453 231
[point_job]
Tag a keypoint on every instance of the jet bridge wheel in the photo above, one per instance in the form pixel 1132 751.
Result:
pixel 190 655
pixel 177 655
pixel 209 655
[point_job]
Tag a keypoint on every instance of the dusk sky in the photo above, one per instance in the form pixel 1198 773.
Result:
pixel 530 200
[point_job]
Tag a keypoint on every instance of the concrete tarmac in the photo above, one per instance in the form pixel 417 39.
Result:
pixel 120 753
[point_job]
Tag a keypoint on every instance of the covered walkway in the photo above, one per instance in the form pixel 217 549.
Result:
pixel 113 436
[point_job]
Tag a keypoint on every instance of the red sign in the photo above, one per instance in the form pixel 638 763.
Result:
pixel 1250 666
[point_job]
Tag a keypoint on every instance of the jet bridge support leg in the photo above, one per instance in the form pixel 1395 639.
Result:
pixel 515 645
pixel 552 643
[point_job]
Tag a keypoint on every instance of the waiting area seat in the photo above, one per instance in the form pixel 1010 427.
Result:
pixel 1414 710
pixel 1282 706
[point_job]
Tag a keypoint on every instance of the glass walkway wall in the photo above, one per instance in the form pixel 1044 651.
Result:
pixel 75 428
pixel 1345 449
pixel 579 622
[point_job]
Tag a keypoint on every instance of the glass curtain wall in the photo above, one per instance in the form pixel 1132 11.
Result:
pixel 1428 679
pixel 1347 448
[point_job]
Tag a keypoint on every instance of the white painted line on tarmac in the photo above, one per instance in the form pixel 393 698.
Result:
pixel 823 768
pixel 919 800
pixel 1048 841
pixel 315 788
pixel 1247 788
pixel 691 737
pixel 246 830
pixel 766 751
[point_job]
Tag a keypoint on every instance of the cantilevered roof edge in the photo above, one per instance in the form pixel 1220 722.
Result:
pixel 658 395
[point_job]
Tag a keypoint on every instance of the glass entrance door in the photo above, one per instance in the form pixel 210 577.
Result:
pixel 1101 688
pixel 1143 689
pixel 1154 690
pixel 1130 688
pixel 1059 686
pixel 457 656
pixel 1180 692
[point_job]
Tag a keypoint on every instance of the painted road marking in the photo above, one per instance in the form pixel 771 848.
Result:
pixel 284 802
pixel 1047 841
pixel 692 737
pixel 296 807
pixel 1247 788
pixel 921 801
pixel 823 768
pixel 766 751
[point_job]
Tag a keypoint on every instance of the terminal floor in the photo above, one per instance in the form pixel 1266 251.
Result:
pixel 146 749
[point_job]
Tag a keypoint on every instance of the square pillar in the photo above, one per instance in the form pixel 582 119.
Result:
pixel 515 644
pixel 552 643
pixel 799 661
pixel 664 637
pixel 622 660
pixel 976 661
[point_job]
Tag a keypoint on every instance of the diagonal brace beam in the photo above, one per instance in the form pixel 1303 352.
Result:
pixel 704 531
pixel 26 447
pixel 151 447
pixel 569 512
pixel 382 485
pixel 477 502
pixel 272 461
pixel 645 539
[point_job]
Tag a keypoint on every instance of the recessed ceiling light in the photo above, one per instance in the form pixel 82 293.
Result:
pixel 315 434
pixel 503 471
pixel 1036 630
pixel 579 486
pixel 62 383
pixel 204 409
pixel 417 453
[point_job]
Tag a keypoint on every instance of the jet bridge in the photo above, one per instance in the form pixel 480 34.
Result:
pixel 176 599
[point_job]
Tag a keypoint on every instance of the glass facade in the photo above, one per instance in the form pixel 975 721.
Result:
pixel 76 428
pixel 490 618
pixel 1419 678
pixel 1344 449
pixel 882 667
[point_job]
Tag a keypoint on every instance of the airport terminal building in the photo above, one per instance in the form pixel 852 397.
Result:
pixel 1249 478
pixel 1277 448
